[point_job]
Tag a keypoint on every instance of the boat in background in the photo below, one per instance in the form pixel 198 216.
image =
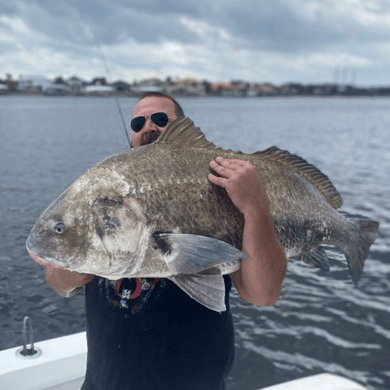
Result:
pixel 59 364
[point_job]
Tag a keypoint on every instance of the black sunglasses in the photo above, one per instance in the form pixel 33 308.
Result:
pixel 160 119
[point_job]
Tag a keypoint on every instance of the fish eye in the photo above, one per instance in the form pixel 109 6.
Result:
pixel 59 227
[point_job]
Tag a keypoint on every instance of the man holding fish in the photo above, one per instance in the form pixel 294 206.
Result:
pixel 147 333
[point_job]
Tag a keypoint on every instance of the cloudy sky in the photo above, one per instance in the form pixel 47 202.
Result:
pixel 277 41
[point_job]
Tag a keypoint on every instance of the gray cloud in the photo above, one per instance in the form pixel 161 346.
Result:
pixel 282 35
pixel 102 22
pixel 276 25
pixel 281 26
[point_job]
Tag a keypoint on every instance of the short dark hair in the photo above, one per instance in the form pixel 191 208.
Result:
pixel 178 109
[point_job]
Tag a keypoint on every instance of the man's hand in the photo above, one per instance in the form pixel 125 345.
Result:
pixel 64 282
pixel 242 182
pixel 260 277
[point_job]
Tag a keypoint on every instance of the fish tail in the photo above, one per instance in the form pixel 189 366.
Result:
pixel 357 250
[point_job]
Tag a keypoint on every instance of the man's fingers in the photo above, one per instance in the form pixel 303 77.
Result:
pixel 225 167
pixel 222 170
pixel 219 181
pixel 231 163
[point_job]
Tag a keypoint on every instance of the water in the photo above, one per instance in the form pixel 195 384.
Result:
pixel 321 322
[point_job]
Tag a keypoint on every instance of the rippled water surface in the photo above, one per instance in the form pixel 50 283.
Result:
pixel 321 322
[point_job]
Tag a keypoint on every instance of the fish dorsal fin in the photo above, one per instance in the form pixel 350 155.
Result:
pixel 307 170
pixel 182 131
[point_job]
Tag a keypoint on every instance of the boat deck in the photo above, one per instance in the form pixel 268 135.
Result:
pixel 60 365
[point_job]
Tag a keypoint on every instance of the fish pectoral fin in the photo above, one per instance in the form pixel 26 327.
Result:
pixel 317 258
pixel 190 253
pixel 207 288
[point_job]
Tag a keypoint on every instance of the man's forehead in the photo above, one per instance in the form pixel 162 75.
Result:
pixel 150 104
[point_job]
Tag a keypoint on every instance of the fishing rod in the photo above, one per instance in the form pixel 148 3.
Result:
pixel 107 69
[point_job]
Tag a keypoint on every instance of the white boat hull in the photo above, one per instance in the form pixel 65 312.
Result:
pixel 323 381
pixel 61 366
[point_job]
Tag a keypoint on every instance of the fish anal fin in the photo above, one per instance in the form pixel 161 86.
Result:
pixel 317 258
pixel 207 288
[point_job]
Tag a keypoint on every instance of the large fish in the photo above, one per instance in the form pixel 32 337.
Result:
pixel 151 212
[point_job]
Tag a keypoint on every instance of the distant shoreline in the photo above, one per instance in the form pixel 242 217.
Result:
pixel 183 95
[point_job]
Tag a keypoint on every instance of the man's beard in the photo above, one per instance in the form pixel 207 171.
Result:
pixel 150 137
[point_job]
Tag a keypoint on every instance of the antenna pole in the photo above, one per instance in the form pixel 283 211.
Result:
pixel 116 97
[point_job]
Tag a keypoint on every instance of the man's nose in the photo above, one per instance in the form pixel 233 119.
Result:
pixel 149 126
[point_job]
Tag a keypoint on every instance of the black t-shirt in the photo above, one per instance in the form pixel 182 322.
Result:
pixel 148 334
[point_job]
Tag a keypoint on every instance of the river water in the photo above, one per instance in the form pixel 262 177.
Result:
pixel 320 323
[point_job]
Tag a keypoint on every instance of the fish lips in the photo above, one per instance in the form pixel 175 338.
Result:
pixel 42 260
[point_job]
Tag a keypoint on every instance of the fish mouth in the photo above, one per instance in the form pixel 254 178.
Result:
pixel 43 260
pixel 38 259
pixel 46 261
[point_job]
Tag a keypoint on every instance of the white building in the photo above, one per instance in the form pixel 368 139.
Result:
pixel 33 83
pixel 99 89
pixel 41 84
pixel 76 84
pixel 3 89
